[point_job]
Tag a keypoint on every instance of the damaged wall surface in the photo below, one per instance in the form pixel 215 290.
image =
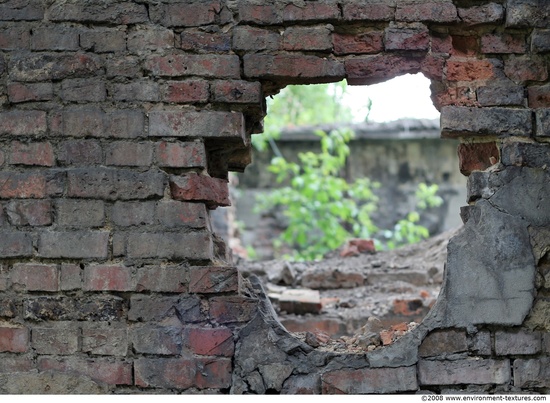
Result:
pixel 119 122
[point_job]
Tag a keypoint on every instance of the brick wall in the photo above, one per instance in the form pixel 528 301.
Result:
pixel 119 122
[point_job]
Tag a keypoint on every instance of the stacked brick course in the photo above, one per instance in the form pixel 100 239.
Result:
pixel 119 121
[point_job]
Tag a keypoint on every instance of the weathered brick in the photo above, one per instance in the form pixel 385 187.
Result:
pixel 14 339
pixel 108 277
pixel 241 92
pixel 471 70
pixel 205 41
pixel 53 66
pixel 406 38
pixel 465 45
pixel 16 363
pixel 290 68
pixel 22 185
pixel 88 122
pixel 443 342
pixel 181 155
pixel 13 37
pixel 255 39
pixel 120 13
pixel 214 373
pixel 464 371
pixel 111 372
pixel 34 154
pixel 143 90
pixel 21 92
pixel 503 43
pixel 54 38
pixel 526 68
pixel 83 90
pixel 126 214
pixel 167 245
pixel 70 277
pixel 108 308
pixel 464 121
pixel 150 38
pixel 209 341
pixel 308 38
pixel 539 96
pixel 162 279
pixel 35 277
pixel 105 339
pixel 103 40
pixel 481 343
pixel 144 308
pixel 7 305
pixel 128 66
pixel 369 380
pixel 23 123
pixel 80 213
pixel 361 43
pixel 173 214
pixel 205 280
pixel 518 342
pixel 14 10
pixel 206 124
pixel 213 192
pixel 527 13
pixel 80 152
pixel 501 93
pixel 154 339
pixel 15 244
pixel 487 13
pixel 543 122
pixel 540 41
pixel 188 91
pixel 179 373
pixel 125 153
pixel 61 338
pixel 372 11
pixel 378 68
pixel 29 212
pixel 532 373
pixel 186 14
pixel 268 14
pixel 436 11
pixel 232 309
pixel 311 11
pixel 218 66
pixel 83 244
pixel 477 156
pixel 114 184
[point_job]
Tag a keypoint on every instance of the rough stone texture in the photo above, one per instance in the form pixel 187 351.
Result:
pixel 468 371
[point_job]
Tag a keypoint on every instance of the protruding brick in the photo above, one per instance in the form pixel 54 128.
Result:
pixel 181 155
pixel 80 213
pixel 209 341
pixel 169 245
pixel 465 371
pixel 34 154
pixel 111 372
pixel 188 91
pixel 108 277
pixel 205 280
pixel 126 214
pixel 14 339
pixel 370 380
pixel 518 342
pixel 101 338
pixel 200 188
pixel 362 43
pixel 174 214
pixel 308 38
pixel 23 123
pixel 477 156
pixel 219 66
pixel 29 212
pixel 61 338
pixel 25 92
pixel 125 153
pixel 84 244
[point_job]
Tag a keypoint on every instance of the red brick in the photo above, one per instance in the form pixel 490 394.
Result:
pixel 23 123
pixel 199 188
pixel 14 37
pixel 108 278
pixel 362 43
pixel 22 185
pixel 37 154
pixel 213 373
pixel 162 279
pixel 432 67
pixel 61 338
pixel 369 380
pixel 486 13
pixel 102 338
pixel 232 309
pixel 470 70
pixel 308 38
pixel 433 11
pixel 29 212
pixel 407 39
pixel 103 40
pixel 111 372
pixel 184 14
pixel 255 39
pixel 532 68
pixel 407 307
pixel 375 11
pixel 311 11
pixel 205 41
pixel 14 339
pixel 151 38
pixel 269 14
pixel 80 152
pixel 20 92
pixel 218 66
pixel 378 68
pixel 55 38
pixel 477 156
pixel 181 155
pixel 503 43
pixel 441 44
pixel 205 280
pixel 188 91
pixel 539 96
pixel 465 45
pixel 35 277
pixel 238 92
pixel 179 373
pixel 209 341
pixel 293 68
pixel 126 153
pixel 174 214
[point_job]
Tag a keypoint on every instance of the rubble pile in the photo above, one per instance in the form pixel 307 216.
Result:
pixel 355 301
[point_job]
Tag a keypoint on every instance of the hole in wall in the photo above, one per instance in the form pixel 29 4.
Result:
pixel 396 144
